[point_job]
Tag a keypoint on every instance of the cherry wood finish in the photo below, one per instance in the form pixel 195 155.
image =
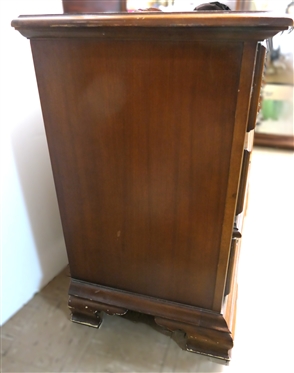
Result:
pixel 243 182
pixel 255 105
pixel 146 119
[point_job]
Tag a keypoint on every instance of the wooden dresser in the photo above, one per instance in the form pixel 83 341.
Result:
pixel 149 118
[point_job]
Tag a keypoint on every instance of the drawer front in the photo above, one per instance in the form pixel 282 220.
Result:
pixel 255 102
pixel 232 266
pixel 243 182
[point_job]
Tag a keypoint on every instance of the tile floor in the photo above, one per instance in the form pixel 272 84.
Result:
pixel 40 337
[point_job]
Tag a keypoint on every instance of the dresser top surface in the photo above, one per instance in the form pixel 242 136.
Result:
pixel 156 19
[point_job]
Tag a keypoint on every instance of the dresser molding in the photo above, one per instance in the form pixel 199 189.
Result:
pixel 206 331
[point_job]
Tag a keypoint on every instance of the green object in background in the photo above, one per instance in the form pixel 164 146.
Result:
pixel 271 109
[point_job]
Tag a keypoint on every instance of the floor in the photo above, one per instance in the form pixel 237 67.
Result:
pixel 40 337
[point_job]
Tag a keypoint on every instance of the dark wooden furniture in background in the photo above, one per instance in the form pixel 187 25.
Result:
pixel 274 140
pixel 90 6
pixel 146 118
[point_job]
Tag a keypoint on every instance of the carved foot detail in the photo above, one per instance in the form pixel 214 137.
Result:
pixel 209 342
pixel 93 320
pixel 202 340
pixel 87 312
pixel 84 312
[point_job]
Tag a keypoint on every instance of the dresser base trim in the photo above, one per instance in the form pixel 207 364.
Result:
pixel 206 331
pixel 201 340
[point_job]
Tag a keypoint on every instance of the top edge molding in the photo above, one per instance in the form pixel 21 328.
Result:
pixel 152 19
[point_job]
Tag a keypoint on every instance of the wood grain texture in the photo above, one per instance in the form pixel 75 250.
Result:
pixel 229 309
pixel 206 332
pixel 189 26
pixel 137 141
pixel 146 119
pixel 260 20
pixel 235 166
pixel 150 305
